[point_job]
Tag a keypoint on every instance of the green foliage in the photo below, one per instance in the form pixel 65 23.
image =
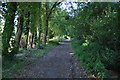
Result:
pixel 58 22
pixel 111 59
pixel 96 58
pixel 56 41
pixel 12 67
pixel 98 24
pixel 89 55
pixel 76 43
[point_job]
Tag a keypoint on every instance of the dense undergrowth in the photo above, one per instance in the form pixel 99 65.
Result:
pixel 97 59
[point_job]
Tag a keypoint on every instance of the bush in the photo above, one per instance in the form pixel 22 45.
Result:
pixel 76 43
pixel 54 42
pixel 89 55
pixel 97 59
pixel 41 46
pixel 112 59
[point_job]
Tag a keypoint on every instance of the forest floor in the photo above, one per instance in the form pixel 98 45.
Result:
pixel 58 63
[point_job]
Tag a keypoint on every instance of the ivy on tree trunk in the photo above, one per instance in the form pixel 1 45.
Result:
pixel 18 35
pixel 9 27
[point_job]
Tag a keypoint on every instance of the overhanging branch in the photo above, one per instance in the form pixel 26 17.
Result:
pixel 53 7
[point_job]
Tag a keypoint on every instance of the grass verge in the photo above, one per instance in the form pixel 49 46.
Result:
pixel 9 68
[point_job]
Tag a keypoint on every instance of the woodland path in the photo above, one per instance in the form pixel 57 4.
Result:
pixel 58 63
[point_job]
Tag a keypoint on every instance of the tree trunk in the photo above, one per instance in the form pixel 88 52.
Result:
pixel 28 22
pixel 27 39
pixel 18 35
pixel 39 40
pixel 46 32
pixel 32 40
pixel 46 16
pixel 9 27
pixel 46 22
pixel 35 38
pixel 40 27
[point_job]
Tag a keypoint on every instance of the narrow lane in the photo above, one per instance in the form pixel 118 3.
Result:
pixel 58 63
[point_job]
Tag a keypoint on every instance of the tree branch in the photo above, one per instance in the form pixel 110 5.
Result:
pixel 54 6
